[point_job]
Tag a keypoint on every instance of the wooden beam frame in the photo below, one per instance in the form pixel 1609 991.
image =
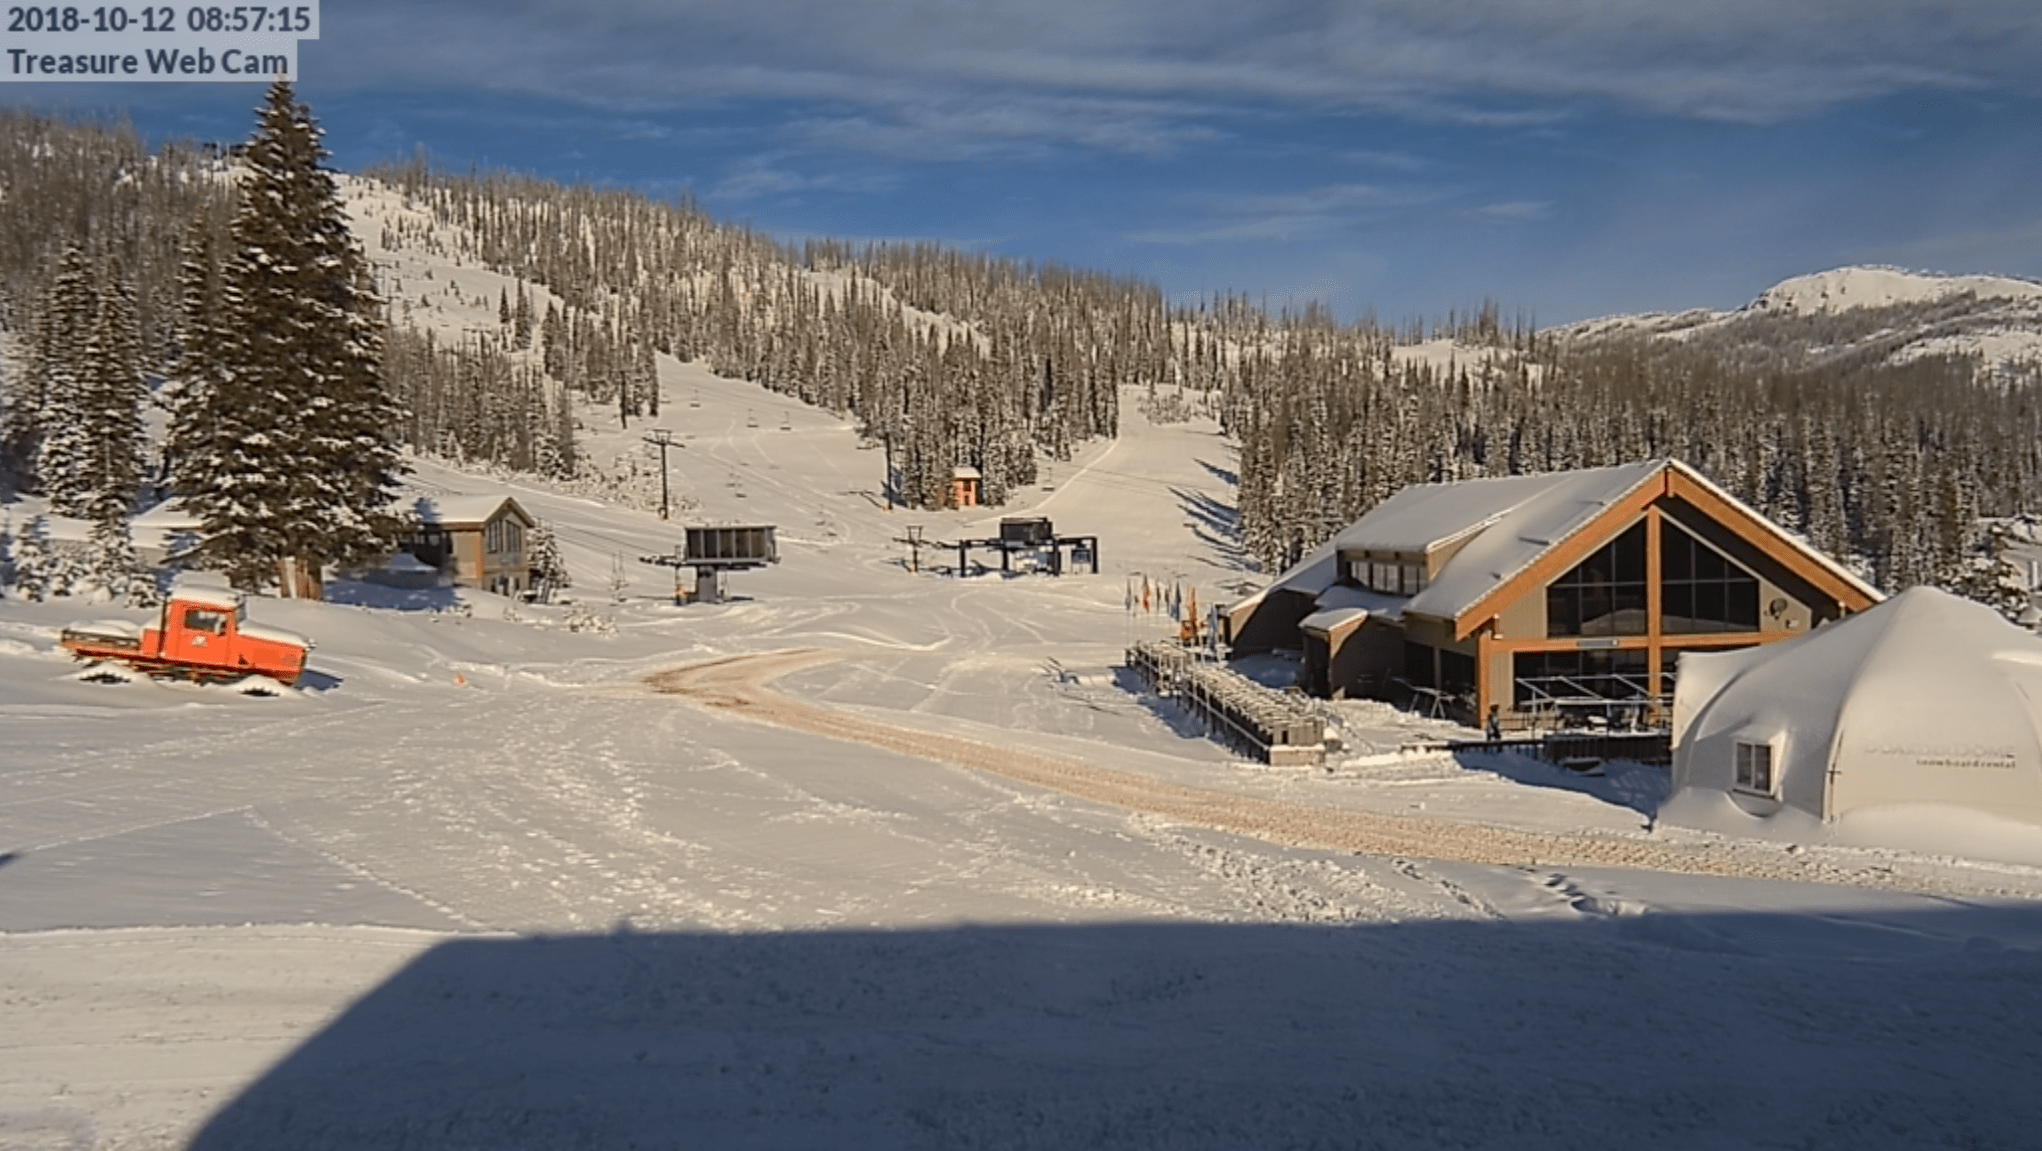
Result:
pixel 1761 534
pixel 1557 560
pixel 1672 481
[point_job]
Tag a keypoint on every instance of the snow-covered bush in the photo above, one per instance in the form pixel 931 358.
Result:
pixel 582 620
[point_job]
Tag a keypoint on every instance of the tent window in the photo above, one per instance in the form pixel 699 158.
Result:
pixel 1755 767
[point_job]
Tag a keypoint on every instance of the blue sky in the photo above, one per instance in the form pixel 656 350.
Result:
pixel 1566 158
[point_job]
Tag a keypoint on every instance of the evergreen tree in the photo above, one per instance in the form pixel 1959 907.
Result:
pixel 111 460
pixel 60 384
pixel 299 465
pixel 37 569
pixel 197 375
pixel 549 571
pixel 112 564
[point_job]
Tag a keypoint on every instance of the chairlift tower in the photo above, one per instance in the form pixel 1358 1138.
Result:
pixel 662 439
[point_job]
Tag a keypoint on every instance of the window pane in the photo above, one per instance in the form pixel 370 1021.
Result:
pixel 1677 606
pixel 1742 604
pixel 1676 553
pixel 1595 611
pixel 1762 768
pixel 1417 664
pixel 1630 609
pixel 1563 611
pixel 1630 555
pixel 1709 609
pixel 1708 564
pixel 1456 672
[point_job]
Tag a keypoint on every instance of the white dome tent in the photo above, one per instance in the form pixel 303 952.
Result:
pixel 1915 724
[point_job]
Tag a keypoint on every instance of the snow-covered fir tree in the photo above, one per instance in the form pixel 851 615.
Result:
pixel 549 571
pixel 110 459
pixel 39 572
pixel 299 465
pixel 57 400
pixel 196 375
pixel 112 565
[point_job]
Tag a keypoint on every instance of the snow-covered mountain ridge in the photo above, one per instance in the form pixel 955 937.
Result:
pixel 1896 314
pixel 1841 289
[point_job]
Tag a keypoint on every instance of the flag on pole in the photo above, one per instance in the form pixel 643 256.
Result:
pixel 1127 602
pixel 1145 594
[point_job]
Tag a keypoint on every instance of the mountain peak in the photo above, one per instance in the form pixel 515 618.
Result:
pixel 1841 289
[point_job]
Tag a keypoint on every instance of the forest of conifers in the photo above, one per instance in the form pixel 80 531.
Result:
pixel 948 358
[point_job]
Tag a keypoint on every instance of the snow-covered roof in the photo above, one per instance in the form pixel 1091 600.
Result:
pixel 1546 513
pixel 208 588
pixel 1378 604
pixel 1505 525
pixel 1333 619
pixel 1424 517
pixel 453 509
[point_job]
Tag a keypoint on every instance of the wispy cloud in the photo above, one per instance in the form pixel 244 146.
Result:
pixel 1515 210
pixel 973 128
pixel 925 69
pixel 1289 216
pixel 758 177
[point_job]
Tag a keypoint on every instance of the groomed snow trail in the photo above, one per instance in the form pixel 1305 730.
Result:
pixel 738 685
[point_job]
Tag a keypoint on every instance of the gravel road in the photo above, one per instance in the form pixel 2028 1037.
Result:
pixel 739 686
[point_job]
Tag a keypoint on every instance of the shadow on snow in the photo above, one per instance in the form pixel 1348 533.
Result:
pixel 1640 787
pixel 1806 1031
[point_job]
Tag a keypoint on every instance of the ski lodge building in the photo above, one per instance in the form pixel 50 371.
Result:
pixel 473 541
pixel 1549 598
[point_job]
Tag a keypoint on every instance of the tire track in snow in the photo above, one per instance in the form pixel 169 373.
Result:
pixel 737 685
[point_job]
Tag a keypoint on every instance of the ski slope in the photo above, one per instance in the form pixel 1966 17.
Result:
pixel 480 884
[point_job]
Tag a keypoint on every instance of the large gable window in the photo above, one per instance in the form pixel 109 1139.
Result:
pixel 1701 590
pixel 1604 594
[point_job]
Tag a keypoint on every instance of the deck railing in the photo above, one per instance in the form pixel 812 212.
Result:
pixel 1235 710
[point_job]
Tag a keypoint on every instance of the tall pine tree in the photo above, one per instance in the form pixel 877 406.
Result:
pixel 295 467
pixel 56 402
pixel 111 456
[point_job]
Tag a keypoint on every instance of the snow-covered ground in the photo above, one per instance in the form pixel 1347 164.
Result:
pixel 477 884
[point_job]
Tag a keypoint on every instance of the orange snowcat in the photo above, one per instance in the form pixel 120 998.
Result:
pixel 203 635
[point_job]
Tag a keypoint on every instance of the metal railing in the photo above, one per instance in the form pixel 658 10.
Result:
pixel 1236 710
